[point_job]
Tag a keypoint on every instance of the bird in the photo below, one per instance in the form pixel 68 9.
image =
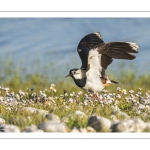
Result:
pixel 96 56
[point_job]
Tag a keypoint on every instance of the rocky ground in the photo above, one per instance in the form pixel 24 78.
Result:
pixel 95 124
pixel 139 105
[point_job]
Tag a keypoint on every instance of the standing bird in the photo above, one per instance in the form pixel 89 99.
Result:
pixel 96 56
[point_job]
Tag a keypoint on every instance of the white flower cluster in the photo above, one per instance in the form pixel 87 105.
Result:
pixel 52 88
pixel 48 97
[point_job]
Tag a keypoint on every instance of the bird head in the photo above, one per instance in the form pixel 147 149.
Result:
pixel 75 74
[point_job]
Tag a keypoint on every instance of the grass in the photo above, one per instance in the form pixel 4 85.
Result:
pixel 12 79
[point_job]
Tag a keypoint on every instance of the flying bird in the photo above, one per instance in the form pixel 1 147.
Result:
pixel 96 56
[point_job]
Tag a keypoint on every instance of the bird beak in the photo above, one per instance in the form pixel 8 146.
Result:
pixel 67 75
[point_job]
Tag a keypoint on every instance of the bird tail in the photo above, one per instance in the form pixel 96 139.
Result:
pixel 119 50
pixel 114 82
pixel 107 82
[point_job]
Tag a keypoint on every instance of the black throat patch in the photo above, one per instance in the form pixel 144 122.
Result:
pixel 80 82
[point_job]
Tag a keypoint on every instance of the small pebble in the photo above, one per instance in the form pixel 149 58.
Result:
pixel 53 117
pixel 9 128
pixel 99 123
pixel 132 125
pixel 32 128
pixel 141 106
pixel 53 126
pixel 74 130
pixel 2 121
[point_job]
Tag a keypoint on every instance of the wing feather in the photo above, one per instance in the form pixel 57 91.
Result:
pixel 119 50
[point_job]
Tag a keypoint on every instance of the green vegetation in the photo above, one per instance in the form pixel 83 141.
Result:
pixel 57 101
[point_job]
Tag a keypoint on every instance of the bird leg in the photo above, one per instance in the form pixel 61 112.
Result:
pixel 95 95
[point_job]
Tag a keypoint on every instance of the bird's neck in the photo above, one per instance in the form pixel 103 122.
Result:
pixel 80 82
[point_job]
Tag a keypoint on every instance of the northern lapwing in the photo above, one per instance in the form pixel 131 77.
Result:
pixel 96 56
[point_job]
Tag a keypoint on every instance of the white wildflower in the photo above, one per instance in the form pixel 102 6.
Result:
pixel 109 101
pixel 124 91
pixel 108 97
pixel 40 92
pixel 101 102
pixel 80 93
pixel 139 93
pixel 116 102
pixel 6 89
pixel 118 96
pixel 92 94
pixel 1 98
pixel 71 94
pixel 132 96
pixel 131 91
pixel 9 100
pixel 133 100
pixel 70 100
pixel 17 96
pixel 24 101
pixel 100 96
pixel 140 89
pixel 104 91
pixel 147 95
pixel 114 94
pixel 54 90
pixel 50 98
pixel 110 94
pixel 28 117
pixel 12 94
pixel 34 94
pixel 118 88
pixel 21 93
pixel 61 95
pixel 86 102
pixel 66 94
pixel 86 95
pixel 51 88
pixel 7 108
pixel 52 85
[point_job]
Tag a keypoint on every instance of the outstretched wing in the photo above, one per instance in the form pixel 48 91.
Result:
pixel 118 50
pixel 97 55
pixel 86 44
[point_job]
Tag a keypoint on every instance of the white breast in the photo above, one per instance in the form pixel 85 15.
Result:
pixel 94 82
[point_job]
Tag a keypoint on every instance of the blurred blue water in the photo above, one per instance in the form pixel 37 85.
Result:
pixel 33 43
